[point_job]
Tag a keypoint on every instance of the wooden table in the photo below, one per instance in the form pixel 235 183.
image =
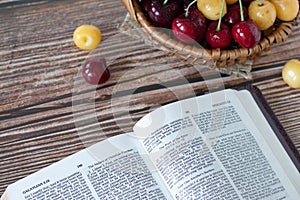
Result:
pixel 48 112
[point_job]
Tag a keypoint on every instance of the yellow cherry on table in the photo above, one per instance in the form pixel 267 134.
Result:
pixel 291 73
pixel 87 37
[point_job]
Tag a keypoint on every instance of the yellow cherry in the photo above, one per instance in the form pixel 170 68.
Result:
pixel 291 73
pixel 264 14
pixel 211 9
pixel 286 10
pixel 87 37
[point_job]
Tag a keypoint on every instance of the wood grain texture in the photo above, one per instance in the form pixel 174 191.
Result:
pixel 48 112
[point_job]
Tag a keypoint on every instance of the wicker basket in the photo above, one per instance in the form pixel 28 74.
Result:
pixel 196 54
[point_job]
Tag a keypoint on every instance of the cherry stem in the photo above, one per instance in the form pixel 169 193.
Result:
pixel 165 2
pixel 259 2
pixel 241 10
pixel 220 18
pixel 188 8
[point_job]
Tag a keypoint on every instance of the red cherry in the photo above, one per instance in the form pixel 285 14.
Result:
pixel 95 71
pixel 218 38
pixel 184 30
pixel 246 33
pixel 246 2
pixel 233 14
pixel 162 15
pixel 186 4
pixel 190 28
pixel 144 5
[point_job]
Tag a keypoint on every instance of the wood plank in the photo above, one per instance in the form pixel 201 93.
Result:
pixel 54 64
pixel 48 112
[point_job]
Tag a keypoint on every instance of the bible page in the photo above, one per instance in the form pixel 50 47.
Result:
pixel 274 152
pixel 203 148
pixel 111 169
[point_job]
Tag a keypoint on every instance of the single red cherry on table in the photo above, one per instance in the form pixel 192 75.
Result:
pixel 162 12
pixel 189 27
pixel 95 71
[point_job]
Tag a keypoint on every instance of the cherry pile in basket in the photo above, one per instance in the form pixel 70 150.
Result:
pixel 219 23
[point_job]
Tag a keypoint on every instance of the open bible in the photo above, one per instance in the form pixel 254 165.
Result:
pixel 222 145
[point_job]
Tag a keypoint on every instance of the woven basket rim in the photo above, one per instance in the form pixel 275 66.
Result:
pixel 222 57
